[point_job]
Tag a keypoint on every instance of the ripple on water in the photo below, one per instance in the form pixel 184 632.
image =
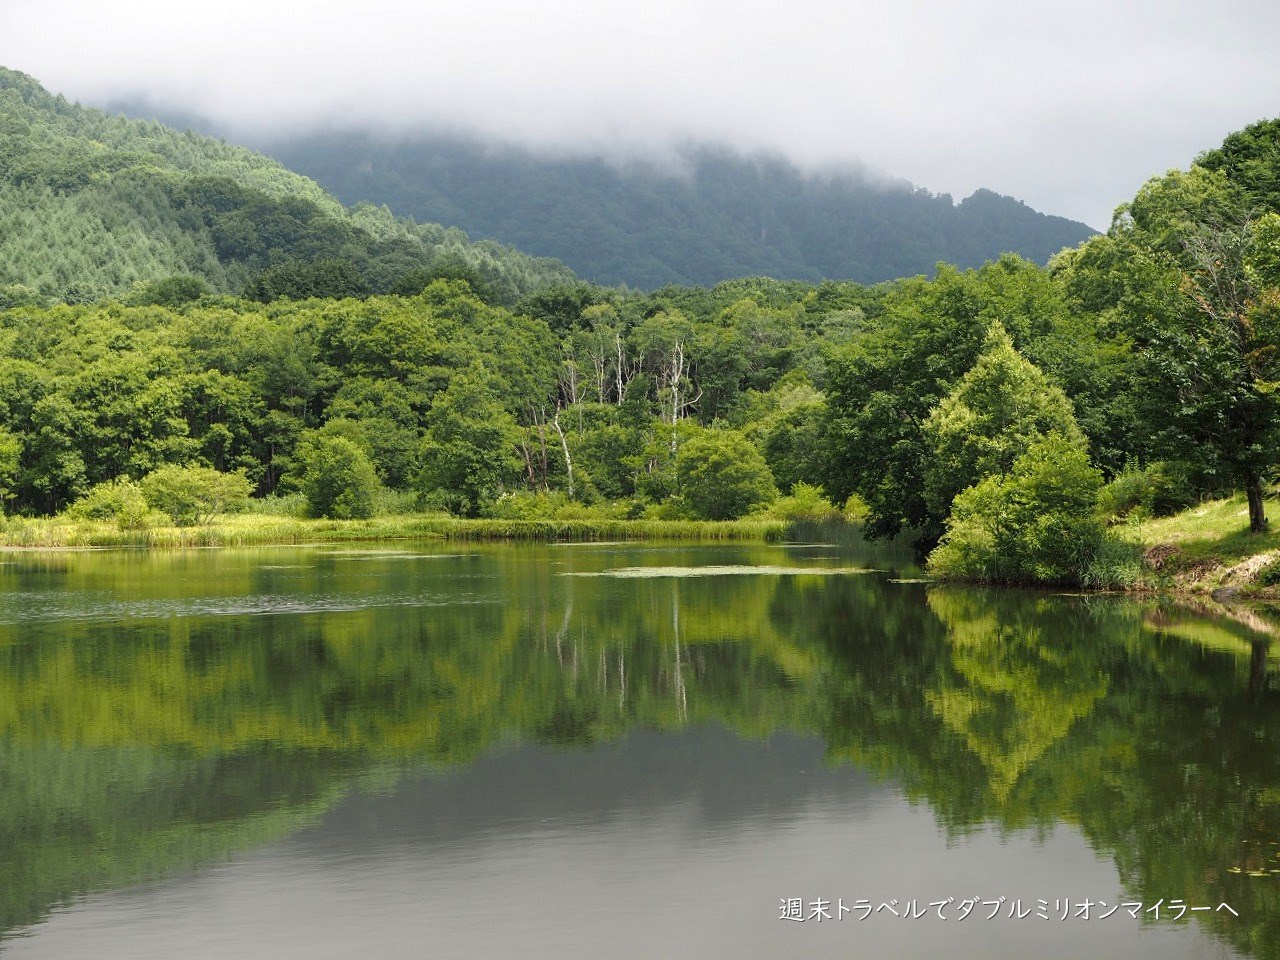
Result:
pixel 26 608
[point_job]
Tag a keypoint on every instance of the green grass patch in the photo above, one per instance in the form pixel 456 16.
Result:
pixel 1214 530
pixel 1209 546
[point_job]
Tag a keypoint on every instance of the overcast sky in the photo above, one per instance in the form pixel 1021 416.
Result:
pixel 1069 106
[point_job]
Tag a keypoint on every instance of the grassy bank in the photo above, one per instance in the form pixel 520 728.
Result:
pixel 250 528
pixel 1208 548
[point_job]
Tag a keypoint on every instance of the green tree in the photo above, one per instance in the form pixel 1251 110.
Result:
pixel 194 495
pixel 297 280
pixel 338 479
pixel 1035 524
pixel 171 291
pixel 10 466
pixel 722 474
pixel 881 387
pixel 1186 278
pixel 989 419
pixel 468 452
pixel 1217 361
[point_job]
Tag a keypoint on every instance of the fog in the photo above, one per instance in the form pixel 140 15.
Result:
pixel 1068 106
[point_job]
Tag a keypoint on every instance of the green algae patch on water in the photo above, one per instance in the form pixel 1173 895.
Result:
pixel 740 570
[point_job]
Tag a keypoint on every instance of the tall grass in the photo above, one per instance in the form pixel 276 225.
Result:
pixel 260 528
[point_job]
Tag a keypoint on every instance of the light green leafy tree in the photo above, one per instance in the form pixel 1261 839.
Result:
pixel 194 495
pixel 992 416
pixel 1037 523
pixel 338 478
pixel 722 474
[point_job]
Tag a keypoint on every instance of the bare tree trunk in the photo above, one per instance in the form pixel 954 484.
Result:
pixel 528 462
pixel 618 369
pixel 564 445
pixel 1257 511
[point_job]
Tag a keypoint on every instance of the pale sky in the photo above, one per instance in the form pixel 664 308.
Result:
pixel 1069 106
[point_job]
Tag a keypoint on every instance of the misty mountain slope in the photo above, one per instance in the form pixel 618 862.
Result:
pixel 92 204
pixel 724 216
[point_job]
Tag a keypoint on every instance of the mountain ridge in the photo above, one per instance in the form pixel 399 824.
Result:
pixel 702 214
pixel 729 215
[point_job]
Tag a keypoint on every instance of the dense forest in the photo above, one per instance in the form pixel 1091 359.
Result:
pixel 707 216
pixel 93 204
pixel 1003 417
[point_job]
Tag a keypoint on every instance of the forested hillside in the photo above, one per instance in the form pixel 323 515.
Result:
pixel 721 215
pixel 91 205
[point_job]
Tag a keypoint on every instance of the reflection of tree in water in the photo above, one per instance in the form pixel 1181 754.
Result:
pixel 1172 767
pixel 1010 695
pixel 167 742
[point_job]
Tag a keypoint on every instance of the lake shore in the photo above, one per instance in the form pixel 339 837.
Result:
pixel 1208 549
pixel 19 533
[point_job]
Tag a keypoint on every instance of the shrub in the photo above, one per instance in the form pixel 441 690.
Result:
pixel 856 509
pixel 120 500
pixel 193 495
pixel 1269 576
pixel 525 505
pixel 1156 490
pixel 1036 524
pixel 282 505
pixel 1116 565
pixel 805 502
pixel 722 475
pixel 338 479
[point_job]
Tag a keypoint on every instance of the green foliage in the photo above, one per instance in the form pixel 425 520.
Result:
pixel 338 480
pixel 991 417
pixel 1156 490
pixel 1184 276
pixel 121 500
pixel 538 505
pixel 920 339
pixel 1035 524
pixel 194 495
pixel 722 475
pixel 469 449
pixel 295 280
pixel 1249 158
pixel 95 205
pixel 1269 576
pixel 169 292
pixel 1117 564
pixel 791 431
pixel 805 502
pixel 10 466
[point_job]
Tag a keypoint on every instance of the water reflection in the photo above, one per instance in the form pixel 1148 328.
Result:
pixel 154 718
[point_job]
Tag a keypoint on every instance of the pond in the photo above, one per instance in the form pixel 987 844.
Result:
pixel 562 751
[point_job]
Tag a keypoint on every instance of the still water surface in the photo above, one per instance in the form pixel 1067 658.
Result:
pixel 621 750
